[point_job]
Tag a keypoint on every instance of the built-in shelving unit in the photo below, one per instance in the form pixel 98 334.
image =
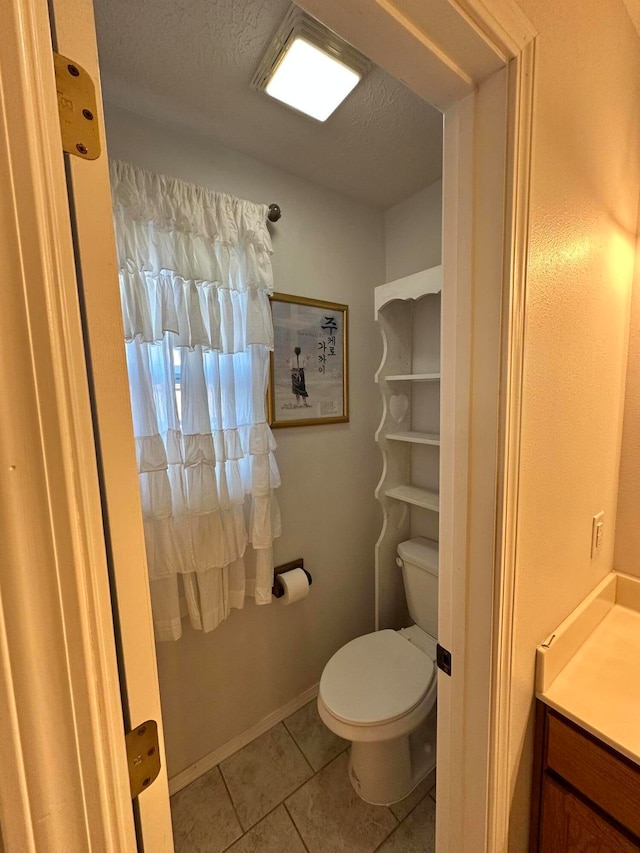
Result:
pixel 424 498
pixel 414 437
pixel 413 377
pixel 408 314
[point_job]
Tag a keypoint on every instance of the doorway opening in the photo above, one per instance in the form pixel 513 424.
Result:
pixel 361 201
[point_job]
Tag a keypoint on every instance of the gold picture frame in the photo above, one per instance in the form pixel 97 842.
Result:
pixel 309 365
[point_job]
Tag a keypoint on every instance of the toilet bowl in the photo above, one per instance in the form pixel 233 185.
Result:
pixel 379 691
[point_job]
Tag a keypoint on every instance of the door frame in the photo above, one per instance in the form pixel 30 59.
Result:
pixel 475 61
pixel 64 782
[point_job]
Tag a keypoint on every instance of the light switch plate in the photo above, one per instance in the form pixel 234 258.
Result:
pixel 597 533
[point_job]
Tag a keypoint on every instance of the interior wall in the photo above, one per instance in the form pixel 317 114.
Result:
pixel 413 242
pixel 216 686
pixel 584 195
pixel 413 233
pixel 626 556
pixel 413 237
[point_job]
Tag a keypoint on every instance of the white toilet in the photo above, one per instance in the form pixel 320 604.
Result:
pixel 379 691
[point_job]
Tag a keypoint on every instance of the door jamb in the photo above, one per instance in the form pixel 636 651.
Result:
pixel 64 782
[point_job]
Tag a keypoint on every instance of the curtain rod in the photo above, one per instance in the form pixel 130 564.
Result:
pixel 274 213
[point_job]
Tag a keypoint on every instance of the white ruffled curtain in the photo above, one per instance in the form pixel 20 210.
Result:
pixel 195 278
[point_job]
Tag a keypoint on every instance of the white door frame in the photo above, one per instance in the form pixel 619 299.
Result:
pixel 73 29
pixel 474 60
pixel 64 783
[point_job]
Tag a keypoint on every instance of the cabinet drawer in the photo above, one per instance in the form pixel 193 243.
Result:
pixel 607 779
pixel 571 826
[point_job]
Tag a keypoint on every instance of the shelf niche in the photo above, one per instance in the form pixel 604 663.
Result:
pixel 408 314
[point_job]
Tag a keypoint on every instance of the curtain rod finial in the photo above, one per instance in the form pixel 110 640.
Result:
pixel 274 213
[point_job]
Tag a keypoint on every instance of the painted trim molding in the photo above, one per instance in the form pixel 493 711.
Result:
pixel 208 762
pixel 522 77
pixel 64 781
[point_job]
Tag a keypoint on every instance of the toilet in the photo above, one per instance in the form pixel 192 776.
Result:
pixel 379 690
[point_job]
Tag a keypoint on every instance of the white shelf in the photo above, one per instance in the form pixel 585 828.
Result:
pixel 412 377
pixel 413 286
pixel 417 497
pixel 414 437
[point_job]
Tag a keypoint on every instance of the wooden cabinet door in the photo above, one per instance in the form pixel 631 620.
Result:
pixel 570 826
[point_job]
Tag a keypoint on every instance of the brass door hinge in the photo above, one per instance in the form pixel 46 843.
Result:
pixel 143 756
pixel 77 109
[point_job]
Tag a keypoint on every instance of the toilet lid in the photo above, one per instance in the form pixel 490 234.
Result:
pixel 375 679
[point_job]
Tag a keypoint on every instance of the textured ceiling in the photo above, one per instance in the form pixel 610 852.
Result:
pixel 191 62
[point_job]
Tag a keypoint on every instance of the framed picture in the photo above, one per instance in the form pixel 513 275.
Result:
pixel 309 381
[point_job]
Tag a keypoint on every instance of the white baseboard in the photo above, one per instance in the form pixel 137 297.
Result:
pixel 208 762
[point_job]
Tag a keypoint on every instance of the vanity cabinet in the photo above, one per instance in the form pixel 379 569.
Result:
pixel 408 314
pixel 585 796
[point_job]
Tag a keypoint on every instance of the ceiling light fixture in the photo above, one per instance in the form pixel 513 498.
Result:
pixel 308 67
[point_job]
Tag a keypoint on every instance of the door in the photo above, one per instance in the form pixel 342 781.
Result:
pixel 73 33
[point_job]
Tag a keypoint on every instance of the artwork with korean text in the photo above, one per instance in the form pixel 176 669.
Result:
pixel 308 383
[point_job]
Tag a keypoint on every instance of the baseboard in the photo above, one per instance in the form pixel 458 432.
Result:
pixel 208 762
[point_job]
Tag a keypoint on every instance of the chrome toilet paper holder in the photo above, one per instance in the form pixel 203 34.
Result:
pixel 277 590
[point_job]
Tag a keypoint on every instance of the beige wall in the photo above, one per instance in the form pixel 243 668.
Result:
pixel 584 196
pixel 216 686
pixel 626 557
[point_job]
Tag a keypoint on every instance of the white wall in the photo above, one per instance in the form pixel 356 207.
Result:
pixel 413 233
pixel 584 196
pixel 215 686
pixel 413 242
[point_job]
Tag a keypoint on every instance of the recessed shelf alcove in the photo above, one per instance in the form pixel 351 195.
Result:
pixel 408 313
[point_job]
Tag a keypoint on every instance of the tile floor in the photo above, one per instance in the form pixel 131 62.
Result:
pixel 288 792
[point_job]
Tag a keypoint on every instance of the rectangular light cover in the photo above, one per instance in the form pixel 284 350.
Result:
pixel 310 80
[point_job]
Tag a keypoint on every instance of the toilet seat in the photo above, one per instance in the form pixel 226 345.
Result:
pixel 376 679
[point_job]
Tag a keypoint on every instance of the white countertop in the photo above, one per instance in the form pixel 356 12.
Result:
pixel 589 668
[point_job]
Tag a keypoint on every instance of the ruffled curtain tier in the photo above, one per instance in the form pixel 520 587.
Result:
pixel 195 278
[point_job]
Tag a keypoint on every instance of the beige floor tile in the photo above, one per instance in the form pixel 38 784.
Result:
pixel 312 736
pixel 274 834
pixel 203 817
pixel 402 809
pixel 262 774
pixel 416 833
pixel 331 817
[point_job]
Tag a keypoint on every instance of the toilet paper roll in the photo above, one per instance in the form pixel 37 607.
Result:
pixel 295 585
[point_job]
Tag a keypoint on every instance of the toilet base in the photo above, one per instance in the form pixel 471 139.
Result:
pixel 385 772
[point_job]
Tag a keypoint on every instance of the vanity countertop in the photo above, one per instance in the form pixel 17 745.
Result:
pixel 589 668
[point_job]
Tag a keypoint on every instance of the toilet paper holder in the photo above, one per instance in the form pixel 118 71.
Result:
pixel 276 590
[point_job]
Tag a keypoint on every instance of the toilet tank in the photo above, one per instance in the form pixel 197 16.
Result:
pixel 419 559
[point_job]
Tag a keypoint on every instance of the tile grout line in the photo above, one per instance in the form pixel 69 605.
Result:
pixel 406 817
pixel 335 758
pixel 233 806
pixel 413 808
pixel 280 802
pixel 300 747
pixel 264 817
pixel 302 784
pixel 295 825
pixel 314 772
pixel 283 802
